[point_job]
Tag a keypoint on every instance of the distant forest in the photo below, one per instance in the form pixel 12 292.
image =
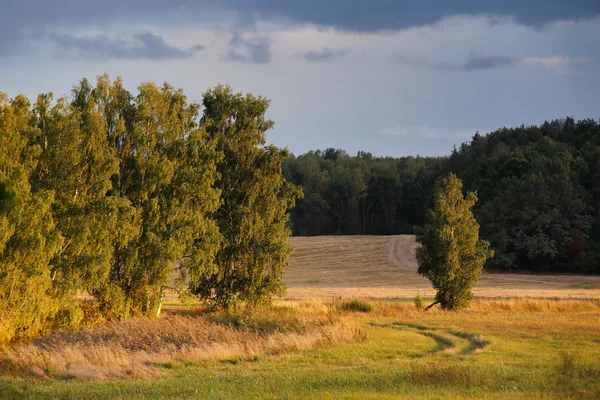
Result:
pixel 538 189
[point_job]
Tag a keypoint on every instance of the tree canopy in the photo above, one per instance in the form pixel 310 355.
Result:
pixel 124 196
pixel 254 199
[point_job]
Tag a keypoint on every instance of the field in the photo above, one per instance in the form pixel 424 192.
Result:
pixel 542 342
pixel 385 267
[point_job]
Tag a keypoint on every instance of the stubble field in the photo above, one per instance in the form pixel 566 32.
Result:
pixel 385 267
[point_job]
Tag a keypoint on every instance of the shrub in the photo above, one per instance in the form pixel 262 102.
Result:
pixel 419 304
pixel 357 305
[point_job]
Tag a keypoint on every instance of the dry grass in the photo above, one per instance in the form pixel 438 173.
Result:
pixel 536 305
pixel 133 348
pixel 497 348
pixel 330 267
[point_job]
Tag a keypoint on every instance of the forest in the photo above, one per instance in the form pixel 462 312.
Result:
pixel 538 190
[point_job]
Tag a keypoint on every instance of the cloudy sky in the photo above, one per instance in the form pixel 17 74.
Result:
pixel 391 77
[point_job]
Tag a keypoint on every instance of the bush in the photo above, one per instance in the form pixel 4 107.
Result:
pixel 419 304
pixel 357 305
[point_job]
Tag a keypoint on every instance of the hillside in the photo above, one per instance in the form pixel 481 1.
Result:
pixel 385 266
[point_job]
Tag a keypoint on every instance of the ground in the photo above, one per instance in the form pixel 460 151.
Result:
pixel 524 337
pixel 497 349
pixel 385 267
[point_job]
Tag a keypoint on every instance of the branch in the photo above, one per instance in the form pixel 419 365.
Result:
pixel 431 305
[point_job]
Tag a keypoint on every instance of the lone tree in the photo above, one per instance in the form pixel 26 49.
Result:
pixel 451 255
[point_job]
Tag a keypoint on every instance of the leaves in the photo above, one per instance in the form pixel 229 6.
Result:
pixel 254 200
pixel 451 255
pixel 105 193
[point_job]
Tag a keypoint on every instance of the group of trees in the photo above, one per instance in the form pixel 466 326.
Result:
pixel 538 189
pixel 106 193
pixel 345 195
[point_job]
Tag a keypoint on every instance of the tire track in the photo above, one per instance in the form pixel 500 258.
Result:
pixel 401 252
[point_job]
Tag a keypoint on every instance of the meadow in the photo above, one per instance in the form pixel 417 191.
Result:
pixel 324 341
pixel 498 348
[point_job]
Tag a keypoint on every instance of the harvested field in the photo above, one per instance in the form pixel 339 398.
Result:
pixel 385 267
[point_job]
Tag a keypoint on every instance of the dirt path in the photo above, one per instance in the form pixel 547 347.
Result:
pixel 385 266
pixel 401 252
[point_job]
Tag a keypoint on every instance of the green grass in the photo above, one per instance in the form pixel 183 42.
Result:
pixel 475 353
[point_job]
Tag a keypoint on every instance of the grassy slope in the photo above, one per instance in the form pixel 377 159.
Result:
pixel 514 349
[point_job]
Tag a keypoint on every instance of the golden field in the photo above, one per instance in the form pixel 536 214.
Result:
pixel 329 267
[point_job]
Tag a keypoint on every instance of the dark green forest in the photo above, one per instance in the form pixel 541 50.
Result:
pixel 538 190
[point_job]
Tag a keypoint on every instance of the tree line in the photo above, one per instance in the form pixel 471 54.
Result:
pixel 538 190
pixel 106 194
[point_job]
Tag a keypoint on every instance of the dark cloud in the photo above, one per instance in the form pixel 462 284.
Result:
pixel 19 18
pixel 471 63
pixel 139 46
pixel 375 15
pixel 478 63
pixel 356 15
pixel 323 55
pixel 252 49
pixel 475 63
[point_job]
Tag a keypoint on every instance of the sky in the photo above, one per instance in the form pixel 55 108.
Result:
pixel 391 77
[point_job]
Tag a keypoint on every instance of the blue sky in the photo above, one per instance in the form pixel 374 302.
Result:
pixel 390 77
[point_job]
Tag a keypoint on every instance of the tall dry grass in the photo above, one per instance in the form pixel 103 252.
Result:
pixel 134 347
pixel 535 305
pixel 518 304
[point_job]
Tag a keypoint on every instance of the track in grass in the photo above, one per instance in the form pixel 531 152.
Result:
pixel 448 341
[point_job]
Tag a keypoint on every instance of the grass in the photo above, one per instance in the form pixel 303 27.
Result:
pixel 502 348
pixel 134 348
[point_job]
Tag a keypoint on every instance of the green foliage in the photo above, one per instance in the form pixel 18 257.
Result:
pixel 7 198
pixel 419 303
pixel 356 305
pixel 361 194
pixel 538 214
pixel 254 199
pixel 451 255
pixel 163 191
pixel 538 189
pixel 76 164
pixel 28 238
pixel 123 197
